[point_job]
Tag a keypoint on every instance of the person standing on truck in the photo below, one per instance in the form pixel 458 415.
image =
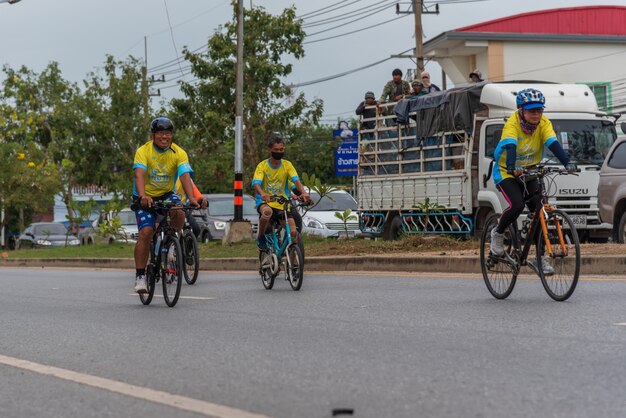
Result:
pixel 525 134
pixel 428 87
pixel 395 89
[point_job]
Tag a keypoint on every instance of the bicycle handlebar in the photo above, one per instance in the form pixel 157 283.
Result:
pixel 542 170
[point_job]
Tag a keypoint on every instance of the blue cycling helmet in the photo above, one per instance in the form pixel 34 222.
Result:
pixel 161 124
pixel 530 99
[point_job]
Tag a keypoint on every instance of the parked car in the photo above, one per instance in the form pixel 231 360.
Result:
pixel 45 235
pixel 127 232
pixel 221 209
pixel 612 188
pixel 321 220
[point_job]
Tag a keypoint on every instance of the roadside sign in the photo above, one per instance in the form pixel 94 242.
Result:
pixel 347 159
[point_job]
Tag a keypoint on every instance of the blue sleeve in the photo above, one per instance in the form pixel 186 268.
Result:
pixel 559 152
pixel 511 155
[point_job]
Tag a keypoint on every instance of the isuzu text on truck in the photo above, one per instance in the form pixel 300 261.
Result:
pixel 425 167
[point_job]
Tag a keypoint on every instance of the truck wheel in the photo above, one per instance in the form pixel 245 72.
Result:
pixel 481 217
pixel 621 229
pixel 394 231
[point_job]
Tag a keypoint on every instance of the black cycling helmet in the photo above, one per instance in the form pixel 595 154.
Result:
pixel 161 124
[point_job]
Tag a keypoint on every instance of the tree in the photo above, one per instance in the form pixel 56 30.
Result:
pixel 270 106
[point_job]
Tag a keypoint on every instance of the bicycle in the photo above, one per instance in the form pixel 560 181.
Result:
pixel 556 241
pixel 189 247
pixel 279 243
pixel 166 261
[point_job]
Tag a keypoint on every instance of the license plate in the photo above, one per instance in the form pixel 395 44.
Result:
pixel 579 220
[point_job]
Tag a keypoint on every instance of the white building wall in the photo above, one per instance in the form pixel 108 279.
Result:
pixel 563 62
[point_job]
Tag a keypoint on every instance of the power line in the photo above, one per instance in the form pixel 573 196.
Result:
pixel 354 31
pixel 360 11
pixel 347 23
pixel 325 10
pixel 332 77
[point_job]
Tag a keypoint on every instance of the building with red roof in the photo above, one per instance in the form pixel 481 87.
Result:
pixel 568 45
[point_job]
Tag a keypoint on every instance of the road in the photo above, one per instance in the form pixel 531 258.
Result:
pixel 77 343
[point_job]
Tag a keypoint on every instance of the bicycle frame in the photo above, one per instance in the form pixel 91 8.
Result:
pixel 539 221
pixel 274 240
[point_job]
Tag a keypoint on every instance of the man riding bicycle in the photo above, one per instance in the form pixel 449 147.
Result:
pixel 272 177
pixel 157 165
pixel 525 134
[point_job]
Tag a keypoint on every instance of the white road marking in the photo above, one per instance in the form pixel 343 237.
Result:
pixel 181 297
pixel 174 401
pixel 621 324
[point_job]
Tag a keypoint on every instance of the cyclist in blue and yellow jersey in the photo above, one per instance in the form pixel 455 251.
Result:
pixel 272 177
pixel 524 135
pixel 157 166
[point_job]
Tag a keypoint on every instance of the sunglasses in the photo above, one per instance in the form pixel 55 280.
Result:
pixel 425 77
pixel 536 111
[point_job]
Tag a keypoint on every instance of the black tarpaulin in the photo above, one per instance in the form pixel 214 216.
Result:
pixel 444 111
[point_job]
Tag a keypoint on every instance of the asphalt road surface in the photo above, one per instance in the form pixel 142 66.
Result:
pixel 77 343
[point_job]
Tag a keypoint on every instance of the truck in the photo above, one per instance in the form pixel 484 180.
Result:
pixel 426 166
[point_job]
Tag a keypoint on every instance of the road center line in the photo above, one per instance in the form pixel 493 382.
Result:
pixel 174 401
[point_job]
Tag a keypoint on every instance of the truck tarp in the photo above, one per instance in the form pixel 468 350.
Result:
pixel 444 111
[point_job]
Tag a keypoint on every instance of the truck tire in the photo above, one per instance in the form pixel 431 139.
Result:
pixel 620 231
pixel 482 216
pixel 394 229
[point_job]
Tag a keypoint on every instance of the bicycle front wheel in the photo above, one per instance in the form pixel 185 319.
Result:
pixel 146 298
pixel 559 270
pixel 172 264
pixel 295 266
pixel 191 258
pixel 266 260
pixel 499 273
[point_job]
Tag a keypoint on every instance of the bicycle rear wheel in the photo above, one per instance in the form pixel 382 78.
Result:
pixel 499 274
pixel 191 258
pixel 294 266
pixel 565 258
pixel 172 262
pixel 146 298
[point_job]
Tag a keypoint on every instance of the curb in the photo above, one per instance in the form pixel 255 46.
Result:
pixel 595 265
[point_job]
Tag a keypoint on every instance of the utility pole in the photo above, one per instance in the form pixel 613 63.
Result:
pixel 239 230
pixel 144 83
pixel 419 40
pixel 418 10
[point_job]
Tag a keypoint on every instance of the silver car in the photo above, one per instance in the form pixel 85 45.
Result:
pixel 612 188
pixel 221 210
pixel 46 235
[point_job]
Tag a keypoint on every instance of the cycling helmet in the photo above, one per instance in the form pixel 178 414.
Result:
pixel 161 124
pixel 530 99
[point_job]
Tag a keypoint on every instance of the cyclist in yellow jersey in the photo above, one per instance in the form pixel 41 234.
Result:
pixel 524 136
pixel 157 166
pixel 272 177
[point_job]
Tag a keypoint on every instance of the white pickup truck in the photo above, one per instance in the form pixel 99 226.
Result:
pixel 430 173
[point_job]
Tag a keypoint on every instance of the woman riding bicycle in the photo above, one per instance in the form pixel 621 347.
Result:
pixel 525 134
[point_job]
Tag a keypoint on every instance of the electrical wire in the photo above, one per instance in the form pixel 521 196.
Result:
pixel 325 10
pixel 347 23
pixel 332 77
pixel 354 31
pixel 361 11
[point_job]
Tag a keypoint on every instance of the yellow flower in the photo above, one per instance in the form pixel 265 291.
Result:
pixel 20 155
pixel 31 164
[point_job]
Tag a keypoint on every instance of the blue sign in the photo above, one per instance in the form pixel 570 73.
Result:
pixel 346 134
pixel 347 159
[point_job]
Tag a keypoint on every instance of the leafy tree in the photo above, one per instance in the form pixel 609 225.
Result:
pixel 270 106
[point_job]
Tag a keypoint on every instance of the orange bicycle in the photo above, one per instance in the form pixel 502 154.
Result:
pixel 556 249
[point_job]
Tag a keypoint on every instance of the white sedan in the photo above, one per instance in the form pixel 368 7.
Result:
pixel 321 219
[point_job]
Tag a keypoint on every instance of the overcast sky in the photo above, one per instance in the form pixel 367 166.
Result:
pixel 79 33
